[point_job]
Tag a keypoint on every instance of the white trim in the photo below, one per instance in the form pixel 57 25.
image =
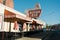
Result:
pixel 18 14
pixel 39 21
pixel 12 10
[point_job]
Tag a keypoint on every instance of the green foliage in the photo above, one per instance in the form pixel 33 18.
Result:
pixel 47 27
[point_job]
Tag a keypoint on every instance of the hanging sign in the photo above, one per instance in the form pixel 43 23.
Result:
pixel 34 13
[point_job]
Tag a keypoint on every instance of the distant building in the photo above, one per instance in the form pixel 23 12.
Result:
pixel 55 27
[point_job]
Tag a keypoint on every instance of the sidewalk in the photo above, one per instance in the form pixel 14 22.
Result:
pixel 27 38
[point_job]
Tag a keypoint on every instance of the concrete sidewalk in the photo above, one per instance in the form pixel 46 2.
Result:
pixel 27 38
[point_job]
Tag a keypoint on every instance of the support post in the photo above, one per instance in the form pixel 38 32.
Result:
pixel 2 35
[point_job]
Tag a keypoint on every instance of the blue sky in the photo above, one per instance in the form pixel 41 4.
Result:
pixel 50 9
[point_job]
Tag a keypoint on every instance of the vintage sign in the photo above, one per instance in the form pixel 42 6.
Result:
pixel 34 13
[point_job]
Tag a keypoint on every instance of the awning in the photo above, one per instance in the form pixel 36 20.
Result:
pixel 18 17
pixel 36 21
pixel 8 14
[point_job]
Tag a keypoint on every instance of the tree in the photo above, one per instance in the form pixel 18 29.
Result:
pixel 47 27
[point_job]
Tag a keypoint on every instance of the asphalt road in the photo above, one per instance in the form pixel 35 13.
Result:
pixel 54 36
pixel 37 36
pixel 42 35
pixel 49 35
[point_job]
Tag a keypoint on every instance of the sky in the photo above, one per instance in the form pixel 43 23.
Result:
pixel 50 9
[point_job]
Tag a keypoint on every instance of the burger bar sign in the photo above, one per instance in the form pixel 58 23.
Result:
pixel 34 13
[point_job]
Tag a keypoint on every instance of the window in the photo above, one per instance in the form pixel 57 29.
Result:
pixel 20 26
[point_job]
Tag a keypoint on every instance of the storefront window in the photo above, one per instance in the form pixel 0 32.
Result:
pixel 20 26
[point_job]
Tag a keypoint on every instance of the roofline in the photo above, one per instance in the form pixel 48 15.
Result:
pixel 12 10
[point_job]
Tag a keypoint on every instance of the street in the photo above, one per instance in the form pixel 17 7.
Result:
pixel 48 35
pixel 51 35
pixel 54 36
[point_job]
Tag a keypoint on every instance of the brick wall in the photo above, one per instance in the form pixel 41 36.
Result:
pixel 8 3
pixel 0 1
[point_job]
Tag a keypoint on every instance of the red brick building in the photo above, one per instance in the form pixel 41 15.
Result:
pixel 0 1
pixel 8 3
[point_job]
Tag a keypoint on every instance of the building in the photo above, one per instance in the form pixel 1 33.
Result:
pixel 12 21
pixel 8 3
pixel 11 16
